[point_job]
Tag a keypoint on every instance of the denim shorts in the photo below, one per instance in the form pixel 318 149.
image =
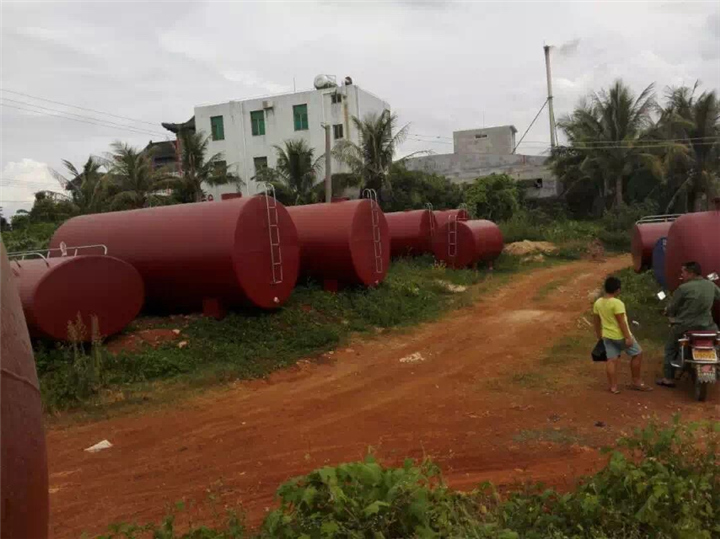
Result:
pixel 614 348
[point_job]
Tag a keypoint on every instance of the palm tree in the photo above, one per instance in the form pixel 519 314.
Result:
pixel 296 172
pixel 85 186
pixel 694 124
pixel 610 130
pixel 370 159
pixel 196 170
pixel 131 181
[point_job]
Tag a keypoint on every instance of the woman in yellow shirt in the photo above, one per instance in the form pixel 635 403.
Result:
pixel 611 326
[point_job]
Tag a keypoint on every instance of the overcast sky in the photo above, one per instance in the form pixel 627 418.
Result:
pixel 443 66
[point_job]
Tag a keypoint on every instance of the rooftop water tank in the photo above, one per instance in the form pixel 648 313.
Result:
pixel 343 243
pixel 56 291
pixel 324 81
pixel 411 232
pixel 241 251
pixel 23 459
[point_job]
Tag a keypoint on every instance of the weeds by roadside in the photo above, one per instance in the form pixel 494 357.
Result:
pixel 661 482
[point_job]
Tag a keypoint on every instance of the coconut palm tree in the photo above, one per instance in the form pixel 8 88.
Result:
pixel 295 174
pixel 197 170
pixel 610 130
pixel 85 186
pixel 693 122
pixel 132 182
pixel 370 159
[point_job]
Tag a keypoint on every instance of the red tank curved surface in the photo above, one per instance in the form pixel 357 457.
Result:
pixel 644 238
pixel 337 243
pixel 55 291
pixel 193 254
pixel 476 241
pixel 24 505
pixel 411 232
pixel 693 237
pixel 442 216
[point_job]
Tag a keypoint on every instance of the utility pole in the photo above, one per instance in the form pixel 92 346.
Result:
pixel 550 97
pixel 328 165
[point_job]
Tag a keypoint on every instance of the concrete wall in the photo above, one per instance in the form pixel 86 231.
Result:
pixel 462 168
pixel 492 140
pixel 240 147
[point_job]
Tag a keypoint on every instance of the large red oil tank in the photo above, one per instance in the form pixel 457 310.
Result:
pixel 442 216
pixel 24 500
pixel 644 238
pixel 55 291
pixel 694 237
pixel 343 243
pixel 460 244
pixel 238 251
pixel 411 232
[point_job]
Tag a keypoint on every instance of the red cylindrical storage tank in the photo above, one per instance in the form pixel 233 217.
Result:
pixel 442 216
pixel 343 242
pixel 24 503
pixel 693 237
pixel 644 238
pixel 411 232
pixel 460 244
pixel 188 255
pixel 56 291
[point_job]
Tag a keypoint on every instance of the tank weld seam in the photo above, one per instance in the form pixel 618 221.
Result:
pixel 17 377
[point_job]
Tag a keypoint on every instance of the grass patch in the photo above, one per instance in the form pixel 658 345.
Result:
pixel 545 290
pixel 530 380
pixel 252 344
pixel 557 436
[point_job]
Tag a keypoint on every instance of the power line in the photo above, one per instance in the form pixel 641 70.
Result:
pixel 77 107
pixel 100 120
pixel 96 122
pixel 533 123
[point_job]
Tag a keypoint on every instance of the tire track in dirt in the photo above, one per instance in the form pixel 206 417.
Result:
pixel 242 443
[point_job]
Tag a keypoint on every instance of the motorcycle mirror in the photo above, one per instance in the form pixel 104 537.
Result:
pixel 661 295
pixel 713 277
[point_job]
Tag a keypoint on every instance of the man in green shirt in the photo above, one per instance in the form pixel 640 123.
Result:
pixel 690 309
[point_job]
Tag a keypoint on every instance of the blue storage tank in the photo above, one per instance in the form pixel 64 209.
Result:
pixel 658 261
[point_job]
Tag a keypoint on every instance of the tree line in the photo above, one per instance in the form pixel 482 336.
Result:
pixel 622 150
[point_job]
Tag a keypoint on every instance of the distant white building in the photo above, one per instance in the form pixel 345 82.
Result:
pixel 481 152
pixel 245 132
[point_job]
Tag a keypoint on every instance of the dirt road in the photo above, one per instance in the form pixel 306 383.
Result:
pixel 491 399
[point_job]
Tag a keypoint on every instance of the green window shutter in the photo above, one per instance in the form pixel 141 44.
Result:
pixel 338 131
pixel 300 116
pixel 217 128
pixel 257 121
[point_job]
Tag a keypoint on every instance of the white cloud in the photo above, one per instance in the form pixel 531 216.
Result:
pixel 20 181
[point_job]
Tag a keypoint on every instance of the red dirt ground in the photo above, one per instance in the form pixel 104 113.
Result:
pixel 476 405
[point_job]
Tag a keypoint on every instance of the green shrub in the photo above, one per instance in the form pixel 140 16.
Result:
pixel 31 237
pixel 495 197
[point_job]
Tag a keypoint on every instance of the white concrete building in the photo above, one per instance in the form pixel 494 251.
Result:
pixel 481 152
pixel 245 132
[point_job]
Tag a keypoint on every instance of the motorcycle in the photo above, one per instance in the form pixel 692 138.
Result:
pixel 699 356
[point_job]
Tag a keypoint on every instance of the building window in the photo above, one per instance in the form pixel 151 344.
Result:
pixel 301 117
pixel 257 120
pixel 260 164
pixel 481 136
pixel 217 128
pixel 336 98
pixel 337 131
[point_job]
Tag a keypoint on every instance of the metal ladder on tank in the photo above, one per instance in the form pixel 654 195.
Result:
pixel 452 235
pixel 429 208
pixel 371 194
pixel 276 262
